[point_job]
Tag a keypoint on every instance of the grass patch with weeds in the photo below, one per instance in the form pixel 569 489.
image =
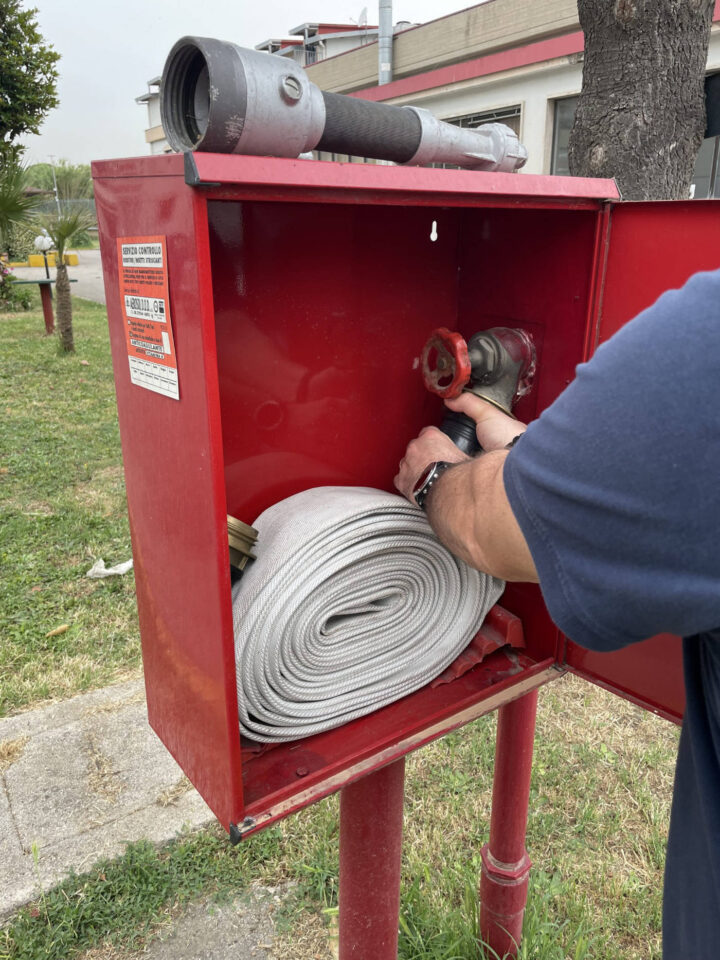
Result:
pixel 171 796
pixel 11 751
pixel 62 504
pixel 598 820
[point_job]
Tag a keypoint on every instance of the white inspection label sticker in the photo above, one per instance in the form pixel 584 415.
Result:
pixel 145 300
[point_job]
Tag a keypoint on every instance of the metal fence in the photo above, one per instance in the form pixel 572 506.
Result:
pixel 49 205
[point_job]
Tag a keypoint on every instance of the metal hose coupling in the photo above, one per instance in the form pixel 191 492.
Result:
pixel 241 540
pixel 218 97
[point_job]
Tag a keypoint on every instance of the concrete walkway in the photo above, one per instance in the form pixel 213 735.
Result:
pixel 79 780
pixel 88 274
pixel 241 930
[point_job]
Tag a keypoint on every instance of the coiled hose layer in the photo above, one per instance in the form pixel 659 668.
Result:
pixel 352 603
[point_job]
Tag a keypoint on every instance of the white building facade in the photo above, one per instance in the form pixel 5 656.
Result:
pixel 154 133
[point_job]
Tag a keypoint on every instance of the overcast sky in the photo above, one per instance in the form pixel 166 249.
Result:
pixel 111 48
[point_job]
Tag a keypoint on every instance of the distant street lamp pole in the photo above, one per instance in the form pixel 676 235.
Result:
pixel 57 198
pixel 42 244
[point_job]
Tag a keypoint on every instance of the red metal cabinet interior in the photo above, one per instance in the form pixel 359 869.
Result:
pixel 301 295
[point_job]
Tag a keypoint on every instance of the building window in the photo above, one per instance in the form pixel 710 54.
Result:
pixel 706 178
pixel 562 125
pixel 510 116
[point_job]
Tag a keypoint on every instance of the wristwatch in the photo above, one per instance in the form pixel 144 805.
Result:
pixel 437 469
pixel 427 479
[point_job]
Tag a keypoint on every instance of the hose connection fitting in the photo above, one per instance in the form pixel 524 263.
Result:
pixel 241 540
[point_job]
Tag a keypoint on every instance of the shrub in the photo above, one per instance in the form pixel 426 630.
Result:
pixel 12 298
pixel 19 241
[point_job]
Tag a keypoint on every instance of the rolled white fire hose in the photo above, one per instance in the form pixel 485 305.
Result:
pixel 352 603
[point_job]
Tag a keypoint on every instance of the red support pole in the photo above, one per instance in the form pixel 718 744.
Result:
pixel 371 816
pixel 47 307
pixel 506 865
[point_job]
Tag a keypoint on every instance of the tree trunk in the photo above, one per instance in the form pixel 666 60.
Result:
pixel 641 115
pixel 64 307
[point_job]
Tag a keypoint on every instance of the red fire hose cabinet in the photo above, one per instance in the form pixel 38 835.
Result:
pixel 267 318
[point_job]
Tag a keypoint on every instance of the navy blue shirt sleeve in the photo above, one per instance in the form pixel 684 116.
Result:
pixel 616 486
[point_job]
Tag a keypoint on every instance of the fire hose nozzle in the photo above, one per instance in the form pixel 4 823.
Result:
pixel 216 96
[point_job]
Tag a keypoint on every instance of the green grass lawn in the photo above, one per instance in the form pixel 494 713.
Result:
pixel 603 769
pixel 62 504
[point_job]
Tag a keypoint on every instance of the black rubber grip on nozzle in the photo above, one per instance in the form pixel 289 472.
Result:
pixel 362 128
pixel 461 430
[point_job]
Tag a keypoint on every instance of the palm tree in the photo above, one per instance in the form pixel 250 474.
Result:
pixel 15 205
pixel 62 229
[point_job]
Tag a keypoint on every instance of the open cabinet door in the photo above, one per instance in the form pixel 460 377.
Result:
pixel 649 248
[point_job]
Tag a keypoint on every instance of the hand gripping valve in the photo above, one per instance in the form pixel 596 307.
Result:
pixel 497 365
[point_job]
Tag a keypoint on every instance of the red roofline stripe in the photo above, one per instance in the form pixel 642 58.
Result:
pixel 344 27
pixel 538 52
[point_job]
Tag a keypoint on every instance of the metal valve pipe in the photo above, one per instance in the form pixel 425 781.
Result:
pixel 222 98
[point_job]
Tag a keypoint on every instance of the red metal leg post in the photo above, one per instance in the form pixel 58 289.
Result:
pixel 371 817
pixel 47 308
pixel 506 865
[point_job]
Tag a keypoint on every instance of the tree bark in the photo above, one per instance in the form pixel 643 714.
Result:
pixel 641 114
pixel 64 307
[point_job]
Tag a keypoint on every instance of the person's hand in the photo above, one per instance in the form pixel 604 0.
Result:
pixel 431 445
pixel 494 428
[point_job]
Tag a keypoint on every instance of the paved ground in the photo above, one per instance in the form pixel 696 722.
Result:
pixel 233 931
pixel 88 274
pixel 79 780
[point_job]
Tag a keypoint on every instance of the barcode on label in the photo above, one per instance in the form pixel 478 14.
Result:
pixel 166 341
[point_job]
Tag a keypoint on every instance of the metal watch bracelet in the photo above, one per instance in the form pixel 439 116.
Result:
pixel 427 479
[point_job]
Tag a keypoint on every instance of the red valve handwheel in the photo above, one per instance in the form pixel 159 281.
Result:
pixel 445 363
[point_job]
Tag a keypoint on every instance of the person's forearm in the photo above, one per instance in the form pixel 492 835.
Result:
pixel 470 512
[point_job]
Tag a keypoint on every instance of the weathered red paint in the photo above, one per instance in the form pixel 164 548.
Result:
pixel 371 820
pixel 505 861
pixel 47 307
